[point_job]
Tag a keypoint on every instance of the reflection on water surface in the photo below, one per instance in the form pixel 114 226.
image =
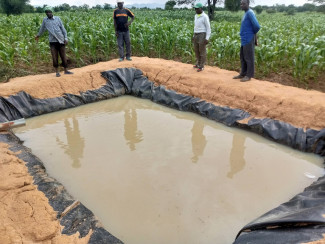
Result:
pixel 155 175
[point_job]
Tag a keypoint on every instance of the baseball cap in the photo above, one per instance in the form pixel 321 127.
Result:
pixel 198 5
pixel 48 9
pixel 119 1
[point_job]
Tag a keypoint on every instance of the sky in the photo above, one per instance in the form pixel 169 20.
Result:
pixel 129 2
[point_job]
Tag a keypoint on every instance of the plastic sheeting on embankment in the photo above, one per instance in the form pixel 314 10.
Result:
pixel 79 218
pixel 306 207
pixel 8 112
pixel 300 220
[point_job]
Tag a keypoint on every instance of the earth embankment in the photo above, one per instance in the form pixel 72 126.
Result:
pixel 262 99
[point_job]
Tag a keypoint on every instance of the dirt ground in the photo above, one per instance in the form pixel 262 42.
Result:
pixel 26 216
pixel 262 99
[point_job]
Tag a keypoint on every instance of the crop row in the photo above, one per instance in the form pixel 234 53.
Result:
pixel 291 44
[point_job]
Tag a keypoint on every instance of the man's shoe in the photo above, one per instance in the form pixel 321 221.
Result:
pixel 57 74
pixel 238 77
pixel 200 69
pixel 246 78
pixel 195 66
pixel 129 59
pixel 68 72
pixel 120 59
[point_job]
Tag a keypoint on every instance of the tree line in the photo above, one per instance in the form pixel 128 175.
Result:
pixel 234 5
pixel 22 6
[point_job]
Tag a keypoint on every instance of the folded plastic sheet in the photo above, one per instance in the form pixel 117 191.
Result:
pixel 302 219
pixel 284 235
pixel 307 208
pixel 8 112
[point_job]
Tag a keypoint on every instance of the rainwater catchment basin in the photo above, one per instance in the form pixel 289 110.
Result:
pixel 152 174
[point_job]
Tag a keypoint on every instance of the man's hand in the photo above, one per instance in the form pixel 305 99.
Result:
pixel 66 42
pixel 116 33
pixel 128 24
pixel 206 42
pixel 36 38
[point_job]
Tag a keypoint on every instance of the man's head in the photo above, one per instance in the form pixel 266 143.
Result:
pixel 49 12
pixel 244 4
pixel 198 8
pixel 120 4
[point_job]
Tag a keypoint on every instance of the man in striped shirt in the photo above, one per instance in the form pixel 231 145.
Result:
pixel 58 39
pixel 202 32
pixel 122 32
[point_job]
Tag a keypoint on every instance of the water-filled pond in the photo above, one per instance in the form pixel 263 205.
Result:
pixel 152 174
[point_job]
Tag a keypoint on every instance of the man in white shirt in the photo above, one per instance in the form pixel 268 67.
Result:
pixel 202 32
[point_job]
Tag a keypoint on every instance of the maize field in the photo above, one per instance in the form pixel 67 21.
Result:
pixel 291 45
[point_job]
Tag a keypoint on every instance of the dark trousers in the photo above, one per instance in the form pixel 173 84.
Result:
pixel 247 59
pixel 124 37
pixel 200 49
pixel 56 49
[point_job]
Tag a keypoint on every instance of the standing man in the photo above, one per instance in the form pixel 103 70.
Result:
pixel 202 32
pixel 58 39
pixel 122 32
pixel 248 30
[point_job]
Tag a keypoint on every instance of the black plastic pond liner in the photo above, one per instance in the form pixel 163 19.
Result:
pixel 283 235
pixel 79 218
pixel 302 219
pixel 299 220
pixel 8 112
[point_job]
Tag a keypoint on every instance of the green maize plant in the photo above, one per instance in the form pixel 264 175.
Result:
pixel 306 59
pixel 294 45
pixel 224 46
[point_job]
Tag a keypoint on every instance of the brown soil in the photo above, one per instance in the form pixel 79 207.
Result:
pixel 317 242
pixel 287 80
pixel 26 216
pixel 262 99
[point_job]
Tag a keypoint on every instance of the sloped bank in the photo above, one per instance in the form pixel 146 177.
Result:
pixel 130 81
pixel 261 99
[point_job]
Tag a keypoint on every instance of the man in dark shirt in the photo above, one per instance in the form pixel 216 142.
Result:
pixel 122 32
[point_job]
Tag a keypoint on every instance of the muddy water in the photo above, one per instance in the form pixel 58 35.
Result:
pixel 155 175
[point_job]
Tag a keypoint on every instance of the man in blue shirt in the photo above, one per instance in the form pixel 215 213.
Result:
pixel 248 30
pixel 121 25
pixel 58 39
